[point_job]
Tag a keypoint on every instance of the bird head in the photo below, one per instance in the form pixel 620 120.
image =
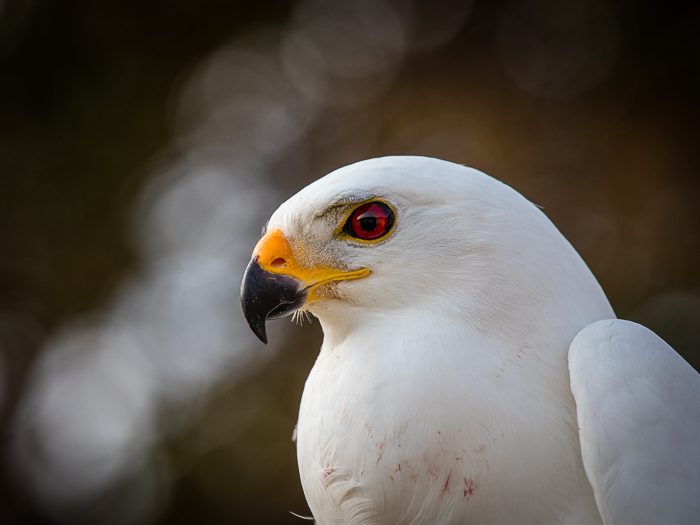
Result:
pixel 383 235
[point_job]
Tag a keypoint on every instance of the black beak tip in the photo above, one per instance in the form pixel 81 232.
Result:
pixel 266 296
pixel 257 325
pixel 255 316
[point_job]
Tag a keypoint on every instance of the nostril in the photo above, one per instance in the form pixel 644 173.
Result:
pixel 278 263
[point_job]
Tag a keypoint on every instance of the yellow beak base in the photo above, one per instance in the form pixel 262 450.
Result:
pixel 275 284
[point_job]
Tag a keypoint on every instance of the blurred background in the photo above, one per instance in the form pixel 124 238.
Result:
pixel 144 144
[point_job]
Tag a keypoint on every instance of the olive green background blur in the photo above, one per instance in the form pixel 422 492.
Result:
pixel 126 127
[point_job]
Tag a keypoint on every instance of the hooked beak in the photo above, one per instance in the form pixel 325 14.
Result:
pixel 266 295
pixel 275 284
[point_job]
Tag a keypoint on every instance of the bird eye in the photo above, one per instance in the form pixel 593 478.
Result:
pixel 370 221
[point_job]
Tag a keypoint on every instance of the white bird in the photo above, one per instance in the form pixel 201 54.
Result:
pixel 472 370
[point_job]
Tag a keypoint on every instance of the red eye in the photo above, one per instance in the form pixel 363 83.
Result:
pixel 370 221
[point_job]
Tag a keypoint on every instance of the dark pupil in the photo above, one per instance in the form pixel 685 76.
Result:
pixel 368 223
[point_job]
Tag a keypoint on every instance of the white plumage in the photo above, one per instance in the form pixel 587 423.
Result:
pixel 639 413
pixel 443 390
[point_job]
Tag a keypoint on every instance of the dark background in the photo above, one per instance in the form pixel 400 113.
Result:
pixel 596 117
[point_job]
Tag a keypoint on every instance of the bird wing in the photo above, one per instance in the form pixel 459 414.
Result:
pixel 638 409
